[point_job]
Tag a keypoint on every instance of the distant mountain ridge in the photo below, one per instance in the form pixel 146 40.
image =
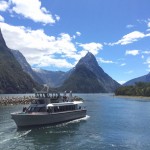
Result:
pixel 145 78
pixel 52 78
pixel 12 77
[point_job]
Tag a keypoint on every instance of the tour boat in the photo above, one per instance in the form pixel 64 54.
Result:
pixel 50 108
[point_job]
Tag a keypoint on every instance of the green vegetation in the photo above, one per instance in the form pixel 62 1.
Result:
pixel 139 89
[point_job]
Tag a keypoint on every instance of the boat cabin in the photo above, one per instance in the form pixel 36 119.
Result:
pixel 65 106
pixel 54 107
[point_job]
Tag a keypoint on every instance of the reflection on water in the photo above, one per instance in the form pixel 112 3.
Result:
pixel 116 123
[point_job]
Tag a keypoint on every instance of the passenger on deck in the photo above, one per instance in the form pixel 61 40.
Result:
pixel 24 109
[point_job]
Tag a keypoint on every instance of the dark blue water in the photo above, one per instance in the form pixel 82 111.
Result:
pixel 113 123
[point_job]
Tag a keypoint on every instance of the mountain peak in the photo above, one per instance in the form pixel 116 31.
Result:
pixel 2 41
pixel 88 60
pixel 89 54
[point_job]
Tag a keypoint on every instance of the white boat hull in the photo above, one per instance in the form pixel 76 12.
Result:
pixel 34 119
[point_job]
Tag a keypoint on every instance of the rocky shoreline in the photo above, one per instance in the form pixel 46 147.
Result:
pixel 4 101
pixel 15 100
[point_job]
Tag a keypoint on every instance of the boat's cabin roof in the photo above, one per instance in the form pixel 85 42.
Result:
pixel 64 104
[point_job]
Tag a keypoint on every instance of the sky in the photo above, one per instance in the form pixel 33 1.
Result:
pixel 55 34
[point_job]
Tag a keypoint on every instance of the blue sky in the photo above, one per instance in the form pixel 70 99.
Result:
pixel 55 34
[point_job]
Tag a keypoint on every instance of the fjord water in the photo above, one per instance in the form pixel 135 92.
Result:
pixel 116 123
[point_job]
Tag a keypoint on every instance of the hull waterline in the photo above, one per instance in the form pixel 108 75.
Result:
pixel 35 119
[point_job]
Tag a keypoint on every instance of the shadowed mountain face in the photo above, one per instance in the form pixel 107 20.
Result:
pixel 26 67
pixel 12 77
pixel 2 41
pixel 88 76
pixel 82 80
pixel 145 78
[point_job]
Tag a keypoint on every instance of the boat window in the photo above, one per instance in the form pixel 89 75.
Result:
pixel 64 108
pixel 30 109
pixel 49 110
pixel 56 109
pixel 41 101
pixel 36 109
pixel 42 109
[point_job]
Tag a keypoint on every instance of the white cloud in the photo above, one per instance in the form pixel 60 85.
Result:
pixel 33 10
pixel 148 70
pixel 132 52
pixel 146 52
pixel 92 47
pixel 2 19
pixel 38 47
pixel 147 61
pixel 121 59
pixel 48 61
pixel 129 26
pixel 3 5
pixel 101 60
pixel 43 50
pixel 130 38
pixel 148 24
pixel 57 17
pixel 129 72
pixel 142 56
pixel 148 30
pixel 123 64
pixel 78 33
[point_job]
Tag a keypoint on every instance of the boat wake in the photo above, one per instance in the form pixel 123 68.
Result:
pixel 23 134
pixel 74 121
pixel 19 135
pixel 1 133
pixel 78 120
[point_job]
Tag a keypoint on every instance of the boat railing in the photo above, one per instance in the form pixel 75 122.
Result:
pixel 47 95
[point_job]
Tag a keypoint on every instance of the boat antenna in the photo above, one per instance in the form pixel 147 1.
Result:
pixel 45 88
pixel 34 90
